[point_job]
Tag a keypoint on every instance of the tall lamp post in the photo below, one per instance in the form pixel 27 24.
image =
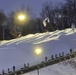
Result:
pixel 3 33
pixel 3 30
pixel 21 18
pixel 58 16
pixel 38 52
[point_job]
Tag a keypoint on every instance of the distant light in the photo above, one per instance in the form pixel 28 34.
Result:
pixel 59 16
pixel 21 17
pixel 38 51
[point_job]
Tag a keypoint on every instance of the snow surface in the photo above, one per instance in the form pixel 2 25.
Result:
pixel 21 50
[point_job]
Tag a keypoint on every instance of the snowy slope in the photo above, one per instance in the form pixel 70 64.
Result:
pixel 21 50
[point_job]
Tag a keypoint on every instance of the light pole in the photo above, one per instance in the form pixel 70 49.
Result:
pixel 21 18
pixel 3 30
pixel 38 52
pixel 3 33
pixel 58 16
pixel 73 27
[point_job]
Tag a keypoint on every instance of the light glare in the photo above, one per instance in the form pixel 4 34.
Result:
pixel 21 17
pixel 38 51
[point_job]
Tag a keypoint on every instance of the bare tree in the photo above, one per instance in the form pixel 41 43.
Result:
pixel 47 11
pixel 69 12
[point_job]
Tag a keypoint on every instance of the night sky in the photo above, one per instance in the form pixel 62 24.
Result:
pixel 35 5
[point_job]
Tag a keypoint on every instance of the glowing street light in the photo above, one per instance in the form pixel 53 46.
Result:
pixel 21 17
pixel 38 51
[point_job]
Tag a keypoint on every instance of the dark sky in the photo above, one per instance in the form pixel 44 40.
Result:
pixel 35 5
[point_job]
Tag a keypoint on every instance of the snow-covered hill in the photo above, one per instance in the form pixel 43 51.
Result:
pixel 21 50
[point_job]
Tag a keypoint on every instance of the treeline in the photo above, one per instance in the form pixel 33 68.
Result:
pixel 61 17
